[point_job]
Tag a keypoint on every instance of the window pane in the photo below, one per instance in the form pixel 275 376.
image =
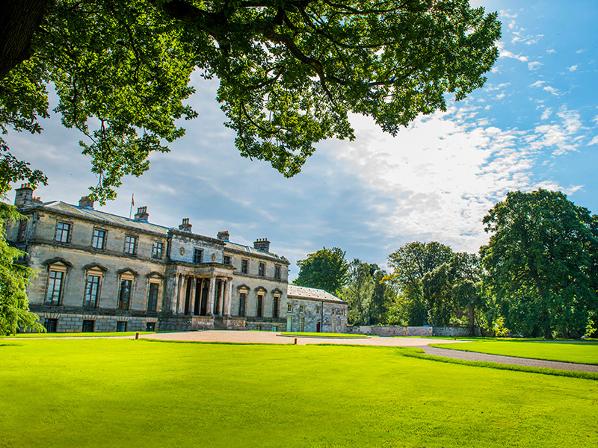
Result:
pixel 54 287
pixel 157 249
pixel 92 290
pixel 99 238
pixel 63 230
pixel 152 301
pixel 130 245
pixel 244 266
pixel 125 294
pixel 242 300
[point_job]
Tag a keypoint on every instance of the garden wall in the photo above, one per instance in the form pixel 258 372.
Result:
pixel 397 330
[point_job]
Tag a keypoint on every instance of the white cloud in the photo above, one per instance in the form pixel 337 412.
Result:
pixel 504 53
pixel 546 87
pixel 572 68
pixel 546 113
pixel 594 141
pixel 534 65
pixel 551 51
pixel 562 137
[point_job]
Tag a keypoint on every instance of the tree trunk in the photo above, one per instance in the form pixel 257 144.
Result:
pixel 18 22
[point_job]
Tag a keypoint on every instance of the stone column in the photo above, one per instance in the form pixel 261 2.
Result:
pixel 174 298
pixel 192 296
pixel 182 291
pixel 229 297
pixel 221 298
pixel 211 293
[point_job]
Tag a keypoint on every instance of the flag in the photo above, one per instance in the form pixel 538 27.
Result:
pixel 132 205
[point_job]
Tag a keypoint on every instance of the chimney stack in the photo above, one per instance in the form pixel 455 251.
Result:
pixel 223 235
pixel 262 244
pixel 85 202
pixel 142 214
pixel 185 226
pixel 24 195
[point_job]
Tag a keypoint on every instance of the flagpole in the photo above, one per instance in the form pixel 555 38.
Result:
pixel 132 204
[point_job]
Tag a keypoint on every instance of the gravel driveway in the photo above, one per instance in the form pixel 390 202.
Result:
pixel 473 356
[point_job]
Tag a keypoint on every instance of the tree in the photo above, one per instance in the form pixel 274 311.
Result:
pixel 541 263
pixel 410 264
pixel 324 269
pixel 453 289
pixel 14 278
pixel 290 71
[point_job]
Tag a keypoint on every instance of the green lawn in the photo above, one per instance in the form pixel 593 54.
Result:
pixel 313 334
pixel 77 335
pixel 119 392
pixel 581 351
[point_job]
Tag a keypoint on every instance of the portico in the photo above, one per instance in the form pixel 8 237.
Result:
pixel 202 290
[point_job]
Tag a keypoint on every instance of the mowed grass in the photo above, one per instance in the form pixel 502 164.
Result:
pixel 77 335
pixel 313 334
pixel 580 352
pixel 119 392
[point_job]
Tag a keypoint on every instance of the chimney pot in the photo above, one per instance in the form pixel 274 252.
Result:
pixel 262 244
pixel 142 215
pixel 85 202
pixel 223 235
pixel 24 195
pixel 186 225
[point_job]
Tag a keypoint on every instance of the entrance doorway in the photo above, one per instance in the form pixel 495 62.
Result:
pixel 318 327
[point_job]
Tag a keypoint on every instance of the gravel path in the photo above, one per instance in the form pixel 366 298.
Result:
pixel 265 337
pixel 474 356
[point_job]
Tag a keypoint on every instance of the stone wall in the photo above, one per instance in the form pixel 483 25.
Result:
pixel 73 323
pixel 305 314
pixel 397 330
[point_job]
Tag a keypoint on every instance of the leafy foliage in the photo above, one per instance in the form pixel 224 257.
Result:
pixel 367 294
pixel 14 278
pixel 410 264
pixel 324 269
pixel 541 263
pixel 290 71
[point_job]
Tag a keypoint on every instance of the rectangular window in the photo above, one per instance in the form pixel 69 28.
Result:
pixel 130 245
pixel 261 271
pixel 226 259
pixel 289 307
pixel 275 305
pixel 157 249
pixel 152 300
pixel 54 290
pixel 242 302
pixel 121 326
pixel 51 325
pixel 244 266
pixel 63 232
pixel 260 306
pixel 124 296
pixel 150 326
pixel 197 255
pixel 92 290
pixel 98 239
pixel 88 326
pixel 277 272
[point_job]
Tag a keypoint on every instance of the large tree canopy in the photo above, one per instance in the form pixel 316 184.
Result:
pixel 541 263
pixel 325 269
pixel 290 71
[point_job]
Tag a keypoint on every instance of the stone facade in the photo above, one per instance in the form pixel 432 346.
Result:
pixel 310 309
pixel 101 272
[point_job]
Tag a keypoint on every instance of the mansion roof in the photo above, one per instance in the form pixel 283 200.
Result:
pixel 90 214
pixel 302 292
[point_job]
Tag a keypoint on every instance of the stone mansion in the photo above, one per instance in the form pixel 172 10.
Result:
pixel 97 271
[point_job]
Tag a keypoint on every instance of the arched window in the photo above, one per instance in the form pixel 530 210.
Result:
pixel 276 306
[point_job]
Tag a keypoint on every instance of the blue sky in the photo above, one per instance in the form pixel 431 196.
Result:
pixel 534 123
